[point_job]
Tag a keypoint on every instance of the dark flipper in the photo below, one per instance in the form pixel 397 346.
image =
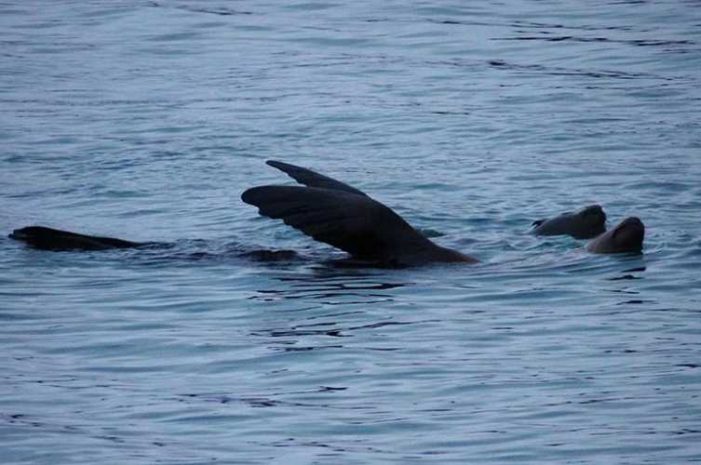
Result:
pixel 44 238
pixel 359 225
pixel 313 179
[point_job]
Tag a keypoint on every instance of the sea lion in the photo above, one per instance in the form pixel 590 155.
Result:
pixel 344 217
pixel 627 236
pixel 587 223
pixel 41 237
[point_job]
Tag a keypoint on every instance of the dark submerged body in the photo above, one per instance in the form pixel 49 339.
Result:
pixel 57 240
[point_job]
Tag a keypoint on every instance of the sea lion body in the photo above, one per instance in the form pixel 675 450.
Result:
pixel 586 223
pixel 56 240
pixel 626 237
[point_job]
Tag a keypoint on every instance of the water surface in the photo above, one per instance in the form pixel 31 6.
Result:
pixel 147 119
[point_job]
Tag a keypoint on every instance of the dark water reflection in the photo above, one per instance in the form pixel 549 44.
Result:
pixel 331 287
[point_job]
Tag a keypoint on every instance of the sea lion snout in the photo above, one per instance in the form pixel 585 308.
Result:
pixel 24 233
pixel 16 234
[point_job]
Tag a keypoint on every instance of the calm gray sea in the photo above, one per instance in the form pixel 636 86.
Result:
pixel 147 119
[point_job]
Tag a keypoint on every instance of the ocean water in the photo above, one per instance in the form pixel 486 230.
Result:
pixel 147 119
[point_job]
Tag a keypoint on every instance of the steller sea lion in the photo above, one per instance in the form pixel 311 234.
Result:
pixel 627 236
pixel 586 223
pixel 344 217
pixel 324 208
pixel 41 237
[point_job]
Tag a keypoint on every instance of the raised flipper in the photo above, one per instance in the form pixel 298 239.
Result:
pixel 41 237
pixel 366 229
pixel 356 224
pixel 313 179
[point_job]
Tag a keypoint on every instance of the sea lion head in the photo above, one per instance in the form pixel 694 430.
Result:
pixel 24 234
pixel 588 222
pixel 38 236
pixel 628 236
pixel 594 217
